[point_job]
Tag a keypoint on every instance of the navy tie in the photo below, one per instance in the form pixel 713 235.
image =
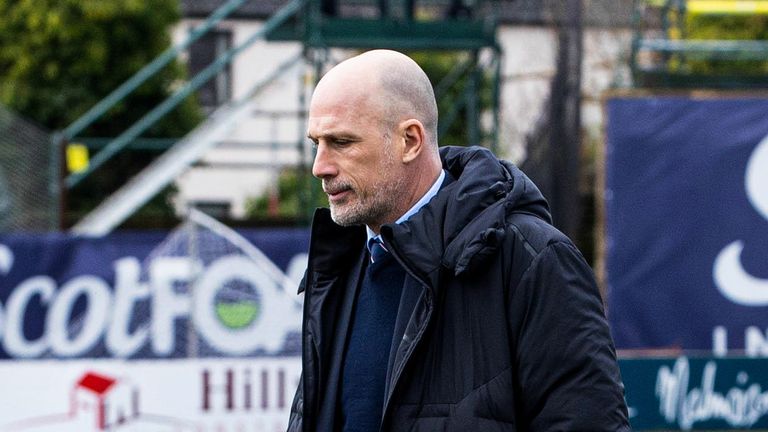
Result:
pixel 378 252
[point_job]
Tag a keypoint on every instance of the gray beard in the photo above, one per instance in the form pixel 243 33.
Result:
pixel 380 205
pixel 373 209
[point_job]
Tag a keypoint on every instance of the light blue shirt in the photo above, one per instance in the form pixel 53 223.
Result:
pixel 413 210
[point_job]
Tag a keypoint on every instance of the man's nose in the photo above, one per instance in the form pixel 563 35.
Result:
pixel 323 165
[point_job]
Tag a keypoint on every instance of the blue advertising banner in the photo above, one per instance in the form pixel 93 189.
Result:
pixel 687 223
pixel 202 290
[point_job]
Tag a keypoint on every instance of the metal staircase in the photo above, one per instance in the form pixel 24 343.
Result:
pixel 163 170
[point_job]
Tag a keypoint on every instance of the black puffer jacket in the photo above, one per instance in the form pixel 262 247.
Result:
pixel 500 328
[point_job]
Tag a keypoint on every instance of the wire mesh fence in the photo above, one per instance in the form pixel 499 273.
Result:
pixel 28 174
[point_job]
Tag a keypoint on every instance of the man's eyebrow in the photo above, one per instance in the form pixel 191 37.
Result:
pixel 334 135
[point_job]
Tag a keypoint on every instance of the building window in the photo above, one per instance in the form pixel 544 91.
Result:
pixel 203 52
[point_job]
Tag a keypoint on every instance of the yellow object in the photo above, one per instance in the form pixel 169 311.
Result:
pixel 77 157
pixel 740 7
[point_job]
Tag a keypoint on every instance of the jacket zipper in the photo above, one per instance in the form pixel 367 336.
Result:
pixel 398 368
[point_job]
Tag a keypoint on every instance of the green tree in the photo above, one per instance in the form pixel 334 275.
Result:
pixel 58 58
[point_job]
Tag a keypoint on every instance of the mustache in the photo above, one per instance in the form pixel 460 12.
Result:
pixel 335 186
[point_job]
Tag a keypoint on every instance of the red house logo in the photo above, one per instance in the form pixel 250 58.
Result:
pixel 107 402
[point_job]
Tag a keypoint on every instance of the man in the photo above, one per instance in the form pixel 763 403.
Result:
pixel 438 296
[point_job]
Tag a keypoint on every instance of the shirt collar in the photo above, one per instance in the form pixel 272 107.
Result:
pixel 372 236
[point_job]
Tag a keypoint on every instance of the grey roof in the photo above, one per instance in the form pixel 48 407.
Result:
pixel 600 13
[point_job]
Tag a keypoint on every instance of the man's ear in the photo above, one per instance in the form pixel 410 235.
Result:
pixel 414 138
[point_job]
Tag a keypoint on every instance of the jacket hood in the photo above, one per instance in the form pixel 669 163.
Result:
pixel 466 220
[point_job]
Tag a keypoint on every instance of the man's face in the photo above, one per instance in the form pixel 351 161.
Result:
pixel 356 161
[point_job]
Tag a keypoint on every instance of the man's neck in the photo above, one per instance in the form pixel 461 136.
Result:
pixel 373 231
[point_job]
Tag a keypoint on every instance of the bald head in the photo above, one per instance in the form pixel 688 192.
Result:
pixel 387 82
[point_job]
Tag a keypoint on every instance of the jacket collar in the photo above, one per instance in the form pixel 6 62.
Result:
pixel 465 222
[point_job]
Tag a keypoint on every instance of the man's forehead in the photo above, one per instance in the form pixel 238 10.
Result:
pixel 341 116
pixel 322 125
pixel 334 125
